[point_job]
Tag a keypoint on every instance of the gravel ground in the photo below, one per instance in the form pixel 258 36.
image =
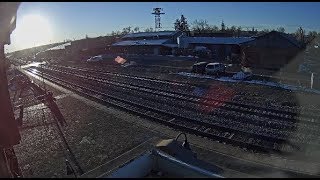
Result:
pixel 94 136
pixel 110 135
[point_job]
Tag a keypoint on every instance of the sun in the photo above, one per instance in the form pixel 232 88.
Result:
pixel 32 30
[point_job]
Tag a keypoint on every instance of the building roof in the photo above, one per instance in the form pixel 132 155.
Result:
pixel 141 42
pixel 216 40
pixel 212 34
pixel 292 39
pixel 150 34
pixel 289 37
pixel 171 45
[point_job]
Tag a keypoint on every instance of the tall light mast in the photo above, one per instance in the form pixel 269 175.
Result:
pixel 157 19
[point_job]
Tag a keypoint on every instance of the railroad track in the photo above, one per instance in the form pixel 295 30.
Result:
pixel 101 71
pixel 194 105
pixel 305 116
pixel 214 131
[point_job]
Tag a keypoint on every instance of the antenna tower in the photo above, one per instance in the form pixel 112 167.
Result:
pixel 157 12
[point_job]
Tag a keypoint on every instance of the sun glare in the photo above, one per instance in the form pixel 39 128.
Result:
pixel 32 30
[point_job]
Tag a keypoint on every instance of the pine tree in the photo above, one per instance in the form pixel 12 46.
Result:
pixel 223 26
pixel 181 24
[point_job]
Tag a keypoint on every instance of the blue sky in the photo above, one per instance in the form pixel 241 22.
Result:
pixel 71 20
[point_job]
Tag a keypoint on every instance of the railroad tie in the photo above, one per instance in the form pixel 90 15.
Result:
pixel 171 119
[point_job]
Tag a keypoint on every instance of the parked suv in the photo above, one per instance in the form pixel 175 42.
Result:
pixel 215 68
pixel 199 67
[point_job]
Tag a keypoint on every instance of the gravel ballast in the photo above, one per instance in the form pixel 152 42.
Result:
pixel 94 135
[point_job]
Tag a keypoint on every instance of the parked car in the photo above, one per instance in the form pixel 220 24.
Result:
pixel 95 59
pixel 199 67
pixel 215 68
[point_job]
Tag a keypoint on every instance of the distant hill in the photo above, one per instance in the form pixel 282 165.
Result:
pixel 32 51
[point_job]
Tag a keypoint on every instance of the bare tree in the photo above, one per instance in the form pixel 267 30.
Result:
pixel 213 28
pixel 239 29
pixel 312 35
pixel 126 30
pixel 233 30
pixel 300 33
pixel 136 29
pixel 148 29
pixel 281 29
pixel 265 31
pixel 200 26
pixel 116 33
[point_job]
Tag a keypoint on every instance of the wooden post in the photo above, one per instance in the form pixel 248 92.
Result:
pixel 311 81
